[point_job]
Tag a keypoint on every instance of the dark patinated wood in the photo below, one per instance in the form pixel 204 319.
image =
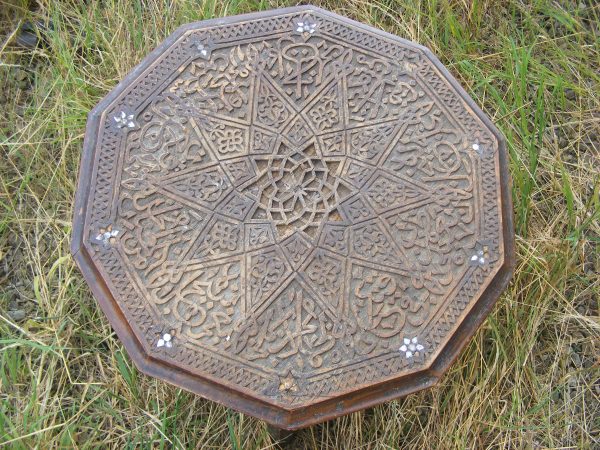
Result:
pixel 293 214
pixel 281 435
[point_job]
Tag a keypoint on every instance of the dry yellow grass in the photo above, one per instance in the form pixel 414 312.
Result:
pixel 529 378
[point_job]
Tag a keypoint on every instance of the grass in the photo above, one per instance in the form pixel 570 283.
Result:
pixel 528 379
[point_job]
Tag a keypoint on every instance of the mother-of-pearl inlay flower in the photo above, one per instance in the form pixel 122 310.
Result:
pixel 411 346
pixel 165 341
pixel 306 27
pixel 124 119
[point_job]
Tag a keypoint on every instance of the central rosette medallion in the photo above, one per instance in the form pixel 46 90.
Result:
pixel 298 190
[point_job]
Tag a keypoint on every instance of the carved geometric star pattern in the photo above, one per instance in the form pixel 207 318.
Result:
pixel 378 167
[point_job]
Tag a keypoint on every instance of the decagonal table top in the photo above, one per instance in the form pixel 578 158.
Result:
pixel 293 214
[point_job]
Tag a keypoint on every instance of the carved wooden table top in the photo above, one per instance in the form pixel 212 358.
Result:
pixel 293 214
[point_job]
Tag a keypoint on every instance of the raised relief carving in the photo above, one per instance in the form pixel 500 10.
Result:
pixel 298 189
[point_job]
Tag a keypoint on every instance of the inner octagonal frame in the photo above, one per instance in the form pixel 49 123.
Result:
pixel 362 396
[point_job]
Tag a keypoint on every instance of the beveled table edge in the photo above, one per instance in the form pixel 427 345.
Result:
pixel 361 398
